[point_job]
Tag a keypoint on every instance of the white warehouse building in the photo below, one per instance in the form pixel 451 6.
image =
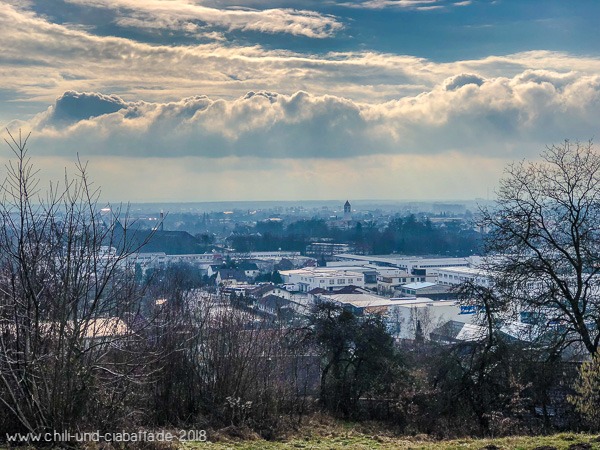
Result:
pixel 451 276
pixel 310 278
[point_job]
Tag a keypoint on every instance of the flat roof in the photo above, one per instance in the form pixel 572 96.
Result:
pixel 419 285
pixel 359 300
pixel 321 272
pixel 362 269
pixel 398 259
pixel 422 302
pixel 465 270
pixel 470 332
pixel 369 300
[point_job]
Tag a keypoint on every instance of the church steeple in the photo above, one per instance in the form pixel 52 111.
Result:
pixel 347 211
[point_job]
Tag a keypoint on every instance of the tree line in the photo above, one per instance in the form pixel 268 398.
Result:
pixel 403 234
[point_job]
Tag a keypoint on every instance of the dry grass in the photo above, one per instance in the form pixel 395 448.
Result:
pixel 359 442
pixel 322 433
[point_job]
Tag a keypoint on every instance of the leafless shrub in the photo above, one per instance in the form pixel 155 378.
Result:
pixel 68 355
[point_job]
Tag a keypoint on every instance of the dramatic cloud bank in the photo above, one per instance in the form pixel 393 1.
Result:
pixel 497 117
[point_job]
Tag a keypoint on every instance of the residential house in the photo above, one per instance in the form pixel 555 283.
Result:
pixel 229 277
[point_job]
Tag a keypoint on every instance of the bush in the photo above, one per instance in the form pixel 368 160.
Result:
pixel 587 398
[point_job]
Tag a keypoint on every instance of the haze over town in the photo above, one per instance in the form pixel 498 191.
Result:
pixel 276 100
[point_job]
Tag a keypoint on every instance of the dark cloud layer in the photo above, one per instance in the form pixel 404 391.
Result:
pixel 72 107
pixel 462 80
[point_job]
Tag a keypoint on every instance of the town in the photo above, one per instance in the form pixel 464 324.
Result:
pixel 287 284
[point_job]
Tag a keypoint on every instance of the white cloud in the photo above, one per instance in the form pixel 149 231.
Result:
pixel 41 60
pixel 184 15
pixel 497 117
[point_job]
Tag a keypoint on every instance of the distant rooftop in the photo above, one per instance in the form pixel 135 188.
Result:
pixel 321 272
pixel 394 258
pixel 371 300
pixel 466 270
pixel 419 285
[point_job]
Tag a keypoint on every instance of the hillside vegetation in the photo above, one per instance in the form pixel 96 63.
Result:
pixel 354 440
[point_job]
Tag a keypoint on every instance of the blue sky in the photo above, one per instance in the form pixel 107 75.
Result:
pixel 208 100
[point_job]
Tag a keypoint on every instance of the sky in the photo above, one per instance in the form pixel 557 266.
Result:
pixel 216 100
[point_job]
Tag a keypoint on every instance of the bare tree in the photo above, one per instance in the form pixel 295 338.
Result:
pixel 254 367
pixel 68 355
pixel 224 364
pixel 545 234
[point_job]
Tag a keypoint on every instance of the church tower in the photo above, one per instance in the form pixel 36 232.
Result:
pixel 347 211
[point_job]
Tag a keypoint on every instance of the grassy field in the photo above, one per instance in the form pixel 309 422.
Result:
pixel 356 440
pixel 360 441
pixel 321 432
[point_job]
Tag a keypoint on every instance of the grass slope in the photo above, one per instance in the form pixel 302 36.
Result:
pixel 565 441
